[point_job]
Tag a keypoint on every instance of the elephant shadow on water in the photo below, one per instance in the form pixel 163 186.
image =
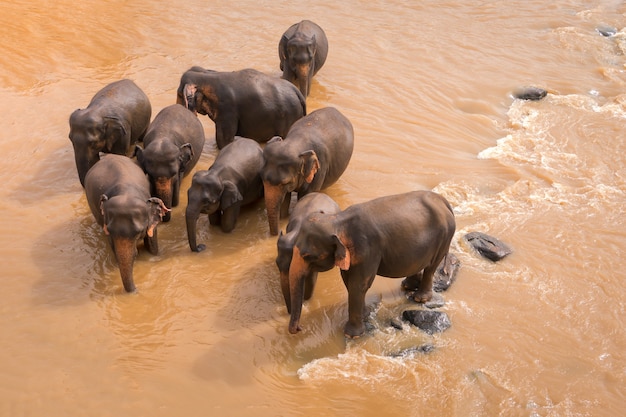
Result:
pixel 76 260
pixel 254 325
pixel 54 177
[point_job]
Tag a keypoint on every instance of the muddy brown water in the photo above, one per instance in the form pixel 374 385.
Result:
pixel 427 86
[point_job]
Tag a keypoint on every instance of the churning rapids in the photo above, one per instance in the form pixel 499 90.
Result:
pixel 427 86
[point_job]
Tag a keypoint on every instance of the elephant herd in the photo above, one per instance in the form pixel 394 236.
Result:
pixel 269 148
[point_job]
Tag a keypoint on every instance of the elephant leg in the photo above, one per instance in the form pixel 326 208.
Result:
pixel 309 285
pixel 229 218
pixel 176 191
pixel 225 132
pixel 425 291
pixel 215 218
pixel 412 282
pixel 357 286
pixel 151 243
pixel 284 206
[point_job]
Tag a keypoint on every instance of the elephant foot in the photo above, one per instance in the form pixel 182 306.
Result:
pixel 422 297
pixel 352 331
pixel 411 283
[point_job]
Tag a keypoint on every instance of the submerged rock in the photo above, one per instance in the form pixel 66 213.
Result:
pixel 428 320
pixel 606 31
pixel 530 93
pixel 488 246
pixel 446 272
pixel 413 350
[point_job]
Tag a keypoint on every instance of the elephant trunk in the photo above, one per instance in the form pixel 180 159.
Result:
pixel 284 285
pixel 297 272
pixel 125 253
pixel 163 189
pixel 303 73
pixel 83 164
pixel 274 196
pixel 191 217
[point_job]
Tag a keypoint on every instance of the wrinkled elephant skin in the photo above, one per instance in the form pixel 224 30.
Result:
pixel 118 194
pixel 243 103
pixel 312 157
pixel 233 181
pixel 404 235
pixel 172 147
pixel 116 118
pixel 302 50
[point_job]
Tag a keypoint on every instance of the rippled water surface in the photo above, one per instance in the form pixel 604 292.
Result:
pixel 427 86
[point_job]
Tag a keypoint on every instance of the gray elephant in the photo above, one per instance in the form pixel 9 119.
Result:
pixel 312 156
pixel 172 147
pixel 306 206
pixel 302 49
pixel 118 194
pixel 244 103
pixel 231 182
pixel 116 118
pixel 404 235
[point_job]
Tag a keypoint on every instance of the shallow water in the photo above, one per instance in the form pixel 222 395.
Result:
pixel 428 89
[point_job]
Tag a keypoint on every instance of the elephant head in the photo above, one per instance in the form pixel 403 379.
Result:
pixel 91 134
pixel 284 171
pixel 208 194
pixel 125 221
pixel 298 54
pixel 319 247
pixel 165 163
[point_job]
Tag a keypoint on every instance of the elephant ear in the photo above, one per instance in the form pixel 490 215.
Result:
pixel 230 195
pixel 156 210
pixel 114 131
pixel 138 153
pixel 189 93
pixel 310 165
pixel 274 139
pixel 282 50
pixel 342 255
pixel 103 199
pixel 185 156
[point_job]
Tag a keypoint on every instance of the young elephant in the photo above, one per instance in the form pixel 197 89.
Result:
pixel 313 156
pixel 302 51
pixel 242 103
pixel 231 182
pixel 116 118
pixel 404 235
pixel 118 194
pixel 172 147
pixel 309 204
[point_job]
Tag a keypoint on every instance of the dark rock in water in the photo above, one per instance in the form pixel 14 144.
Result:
pixel 606 30
pixel 413 350
pixel 446 272
pixel 427 320
pixel 530 93
pixel 488 246
pixel 396 323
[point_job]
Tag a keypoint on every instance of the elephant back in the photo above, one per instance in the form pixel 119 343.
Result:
pixel 114 175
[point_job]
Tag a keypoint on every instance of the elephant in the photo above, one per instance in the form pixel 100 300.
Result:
pixel 172 147
pixel 116 118
pixel 312 156
pixel 302 49
pixel 232 181
pixel 401 235
pixel 244 103
pixel 118 194
pixel 311 203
